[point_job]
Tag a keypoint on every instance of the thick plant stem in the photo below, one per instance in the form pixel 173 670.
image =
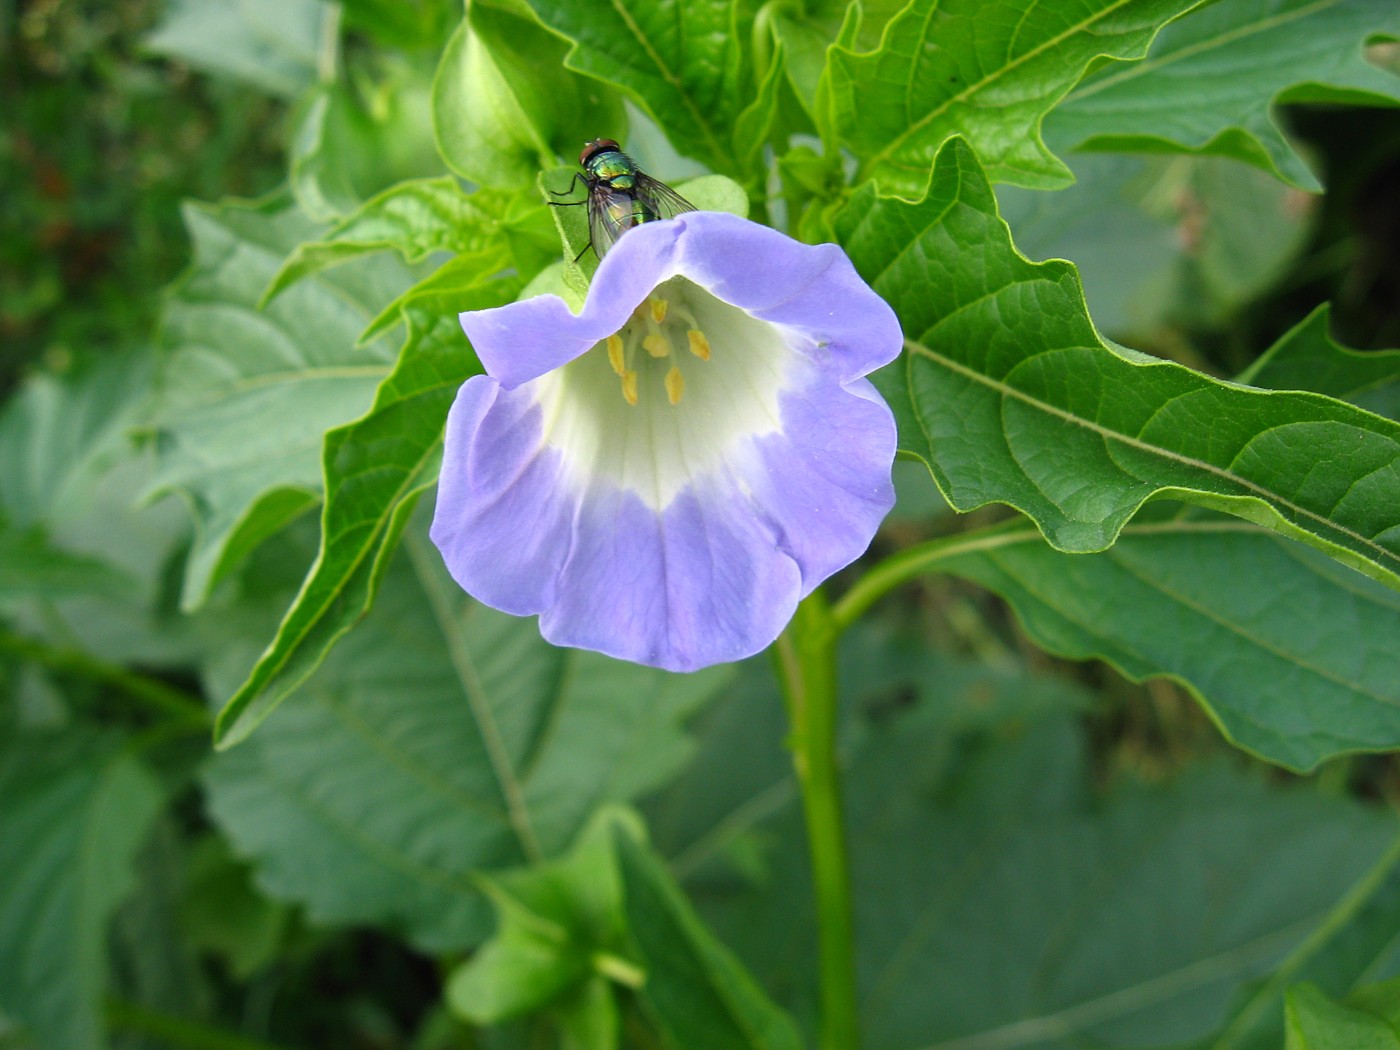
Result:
pixel 806 658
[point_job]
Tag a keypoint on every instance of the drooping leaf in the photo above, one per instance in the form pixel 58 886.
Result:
pixel 1292 655
pixel 1211 81
pixel 274 45
pixel 988 72
pixel 247 395
pixel 1308 358
pixel 440 738
pixel 74 810
pixel 374 470
pixel 1009 395
pixel 681 61
pixel 504 106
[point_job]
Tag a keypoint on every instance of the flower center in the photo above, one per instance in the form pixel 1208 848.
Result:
pixel 648 350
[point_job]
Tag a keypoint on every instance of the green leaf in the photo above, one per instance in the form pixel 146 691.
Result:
pixel 30 566
pixel 1315 1022
pixel 1211 81
pixel 1009 395
pixel 1308 358
pixel 696 991
pixel 1047 911
pixel 986 72
pixel 1215 605
pixel 74 810
pixel 273 45
pixel 375 468
pixel 438 739
pixel 505 107
pixel 413 218
pixel 681 61
pixel 246 394
pixel 69 474
pixel 558 922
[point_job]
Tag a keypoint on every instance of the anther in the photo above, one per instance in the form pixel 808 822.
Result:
pixel 615 357
pixel 675 385
pixel 629 387
pixel 658 308
pixel 699 345
pixel 657 345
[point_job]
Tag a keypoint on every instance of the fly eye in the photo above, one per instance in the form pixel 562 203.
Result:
pixel 596 146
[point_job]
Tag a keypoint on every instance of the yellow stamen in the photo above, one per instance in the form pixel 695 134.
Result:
pixel 615 353
pixel 658 308
pixel 629 387
pixel 675 385
pixel 657 345
pixel 699 345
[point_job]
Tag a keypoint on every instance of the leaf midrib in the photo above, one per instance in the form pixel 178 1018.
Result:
pixel 917 127
pixel 1382 556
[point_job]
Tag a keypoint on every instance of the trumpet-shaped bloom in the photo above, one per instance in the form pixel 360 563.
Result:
pixel 664 475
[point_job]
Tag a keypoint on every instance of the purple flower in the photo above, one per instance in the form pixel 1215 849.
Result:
pixel 663 476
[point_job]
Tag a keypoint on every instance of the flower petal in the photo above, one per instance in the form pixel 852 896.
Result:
pixel 505 512
pixel 697 584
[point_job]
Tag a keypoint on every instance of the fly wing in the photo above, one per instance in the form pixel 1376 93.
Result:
pixel 609 216
pixel 660 199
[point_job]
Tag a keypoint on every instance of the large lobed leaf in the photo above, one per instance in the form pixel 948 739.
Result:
pixel 1210 82
pixel 1004 901
pixel 441 737
pixel 1009 395
pixel 1292 655
pixel 986 71
pixel 247 394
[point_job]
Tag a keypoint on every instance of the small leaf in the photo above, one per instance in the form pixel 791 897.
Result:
pixel 1211 82
pixel 74 810
pixel 987 72
pixel 1009 395
pixel 554 920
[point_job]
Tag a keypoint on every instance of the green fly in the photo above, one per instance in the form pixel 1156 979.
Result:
pixel 620 195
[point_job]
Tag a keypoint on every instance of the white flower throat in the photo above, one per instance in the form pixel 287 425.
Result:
pixel 665 329
pixel 696 375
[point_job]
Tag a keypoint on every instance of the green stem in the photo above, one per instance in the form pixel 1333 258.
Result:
pixel 913 562
pixel 176 1031
pixel 806 663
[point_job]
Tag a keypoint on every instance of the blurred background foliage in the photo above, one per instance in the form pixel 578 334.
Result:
pixel 115 113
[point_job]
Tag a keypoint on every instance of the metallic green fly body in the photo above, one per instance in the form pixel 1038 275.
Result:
pixel 620 195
